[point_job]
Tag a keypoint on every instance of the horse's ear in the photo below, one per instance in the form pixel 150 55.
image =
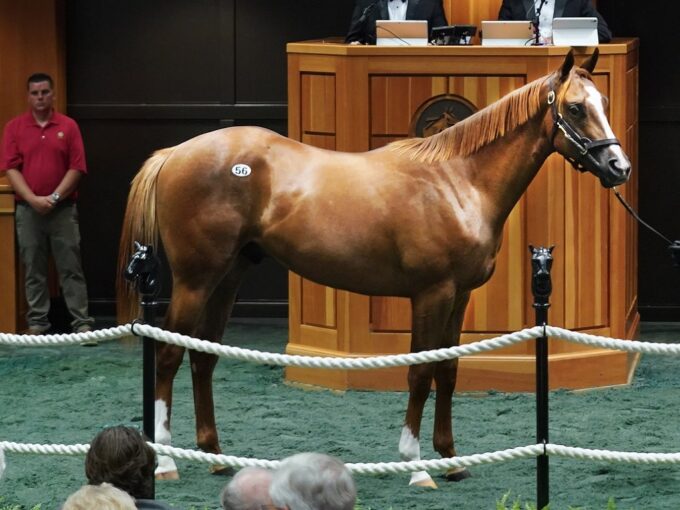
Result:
pixel 589 63
pixel 567 65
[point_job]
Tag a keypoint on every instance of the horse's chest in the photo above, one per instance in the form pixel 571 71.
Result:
pixel 475 266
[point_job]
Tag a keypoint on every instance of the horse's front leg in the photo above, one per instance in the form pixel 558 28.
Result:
pixel 445 374
pixel 431 312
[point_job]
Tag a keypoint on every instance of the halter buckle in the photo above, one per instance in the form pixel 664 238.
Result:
pixel 551 97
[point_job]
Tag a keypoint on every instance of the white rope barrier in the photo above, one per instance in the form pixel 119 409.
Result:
pixel 354 363
pixel 359 363
pixel 612 343
pixel 612 456
pixel 521 452
pixel 101 335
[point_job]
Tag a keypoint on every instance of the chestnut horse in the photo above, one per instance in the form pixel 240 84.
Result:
pixel 419 218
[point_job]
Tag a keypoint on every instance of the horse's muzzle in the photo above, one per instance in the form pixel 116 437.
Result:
pixel 617 172
pixel 620 168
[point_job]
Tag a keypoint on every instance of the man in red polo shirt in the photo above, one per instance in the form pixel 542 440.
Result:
pixel 43 155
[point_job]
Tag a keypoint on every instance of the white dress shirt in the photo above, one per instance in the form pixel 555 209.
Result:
pixel 545 20
pixel 397 9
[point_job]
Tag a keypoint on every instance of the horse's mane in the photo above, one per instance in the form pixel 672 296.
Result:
pixel 476 131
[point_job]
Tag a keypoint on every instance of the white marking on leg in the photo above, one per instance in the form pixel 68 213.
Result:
pixel 162 431
pixel 409 449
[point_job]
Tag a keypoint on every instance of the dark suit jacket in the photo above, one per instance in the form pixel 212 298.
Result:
pixel 524 9
pixel 364 30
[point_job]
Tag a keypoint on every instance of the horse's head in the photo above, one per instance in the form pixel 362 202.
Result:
pixel 541 262
pixel 143 269
pixel 580 129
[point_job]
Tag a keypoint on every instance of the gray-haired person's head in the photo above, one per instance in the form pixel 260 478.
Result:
pixel 247 490
pixel 313 481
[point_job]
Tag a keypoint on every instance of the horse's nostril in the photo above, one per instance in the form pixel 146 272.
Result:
pixel 619 167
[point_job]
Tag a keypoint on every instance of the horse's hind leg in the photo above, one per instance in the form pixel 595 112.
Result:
pixel 431 312
pixel 445 378
pixel 203 364
pixel 186 306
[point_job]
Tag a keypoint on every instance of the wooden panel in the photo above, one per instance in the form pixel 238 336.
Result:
pixel 318 103
pixel 318 304
pixel 8 295
pixel 321 141
pixel 30 42
pixel 586 251
pixel 390 314
pixel 394 100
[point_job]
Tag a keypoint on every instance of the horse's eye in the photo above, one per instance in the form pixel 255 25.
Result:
pixel 576 109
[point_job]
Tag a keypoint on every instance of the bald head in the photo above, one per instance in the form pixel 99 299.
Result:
pixel 248 490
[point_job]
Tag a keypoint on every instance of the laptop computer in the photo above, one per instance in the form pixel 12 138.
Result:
pixel 401 33
pixel 507 33
pixel 575 32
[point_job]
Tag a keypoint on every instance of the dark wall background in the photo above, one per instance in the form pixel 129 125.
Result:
pixel 146 75
pixel 655 23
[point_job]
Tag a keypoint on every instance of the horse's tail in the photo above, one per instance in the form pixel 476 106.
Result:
pixel 140 224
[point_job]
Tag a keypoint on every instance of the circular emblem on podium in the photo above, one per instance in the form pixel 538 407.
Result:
pixel 438 113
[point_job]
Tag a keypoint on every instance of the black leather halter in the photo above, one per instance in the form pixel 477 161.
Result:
pixel 583 145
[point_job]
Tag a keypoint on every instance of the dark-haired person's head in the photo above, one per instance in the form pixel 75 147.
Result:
pixel 39 78
pixel 120 456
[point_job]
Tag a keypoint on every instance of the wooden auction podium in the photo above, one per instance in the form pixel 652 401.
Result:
pixel 357 98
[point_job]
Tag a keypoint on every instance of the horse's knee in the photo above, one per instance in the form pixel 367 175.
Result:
pixel 446 372
pixel 420 378
pixel 168 360
pixel 202 363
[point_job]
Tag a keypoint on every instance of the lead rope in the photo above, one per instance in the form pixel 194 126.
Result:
pixel 674 246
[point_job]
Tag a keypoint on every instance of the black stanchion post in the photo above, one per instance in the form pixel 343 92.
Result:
pixel 143 272
pixel 541 287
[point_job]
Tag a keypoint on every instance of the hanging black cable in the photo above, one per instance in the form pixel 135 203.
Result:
pixel 674 246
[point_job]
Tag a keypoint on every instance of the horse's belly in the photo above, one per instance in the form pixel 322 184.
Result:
pixel 353 277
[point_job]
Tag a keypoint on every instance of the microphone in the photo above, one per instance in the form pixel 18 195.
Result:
pixel 536 22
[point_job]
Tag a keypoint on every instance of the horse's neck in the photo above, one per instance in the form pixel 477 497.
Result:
pixel 504 169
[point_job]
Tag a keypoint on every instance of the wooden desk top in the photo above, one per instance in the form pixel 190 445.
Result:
pixel 336 46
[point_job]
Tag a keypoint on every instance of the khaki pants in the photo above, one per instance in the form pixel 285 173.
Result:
pixel 58 233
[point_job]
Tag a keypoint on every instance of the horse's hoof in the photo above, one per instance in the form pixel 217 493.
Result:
pixel 220 470
pixel 457 474
pixel 167 475
pixel 422 479
pixel 430 484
